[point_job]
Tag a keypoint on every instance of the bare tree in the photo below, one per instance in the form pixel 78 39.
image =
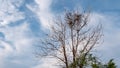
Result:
pixel 71 39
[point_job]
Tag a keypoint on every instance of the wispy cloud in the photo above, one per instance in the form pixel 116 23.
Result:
pixel 43 10
pixel 15 46
pixel 9 12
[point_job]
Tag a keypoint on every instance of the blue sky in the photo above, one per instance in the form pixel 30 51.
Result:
pixel 23 22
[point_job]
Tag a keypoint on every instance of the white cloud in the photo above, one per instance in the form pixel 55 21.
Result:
pixel 47 63
pixel 5 50
pixel 17 36
pixel 16 44
pixel 43 11
pixel 9 12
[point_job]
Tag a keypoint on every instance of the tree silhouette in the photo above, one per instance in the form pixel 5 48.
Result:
pixel 71 40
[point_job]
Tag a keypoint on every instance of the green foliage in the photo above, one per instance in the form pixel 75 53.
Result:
pixel 111 64
pixel 92 62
